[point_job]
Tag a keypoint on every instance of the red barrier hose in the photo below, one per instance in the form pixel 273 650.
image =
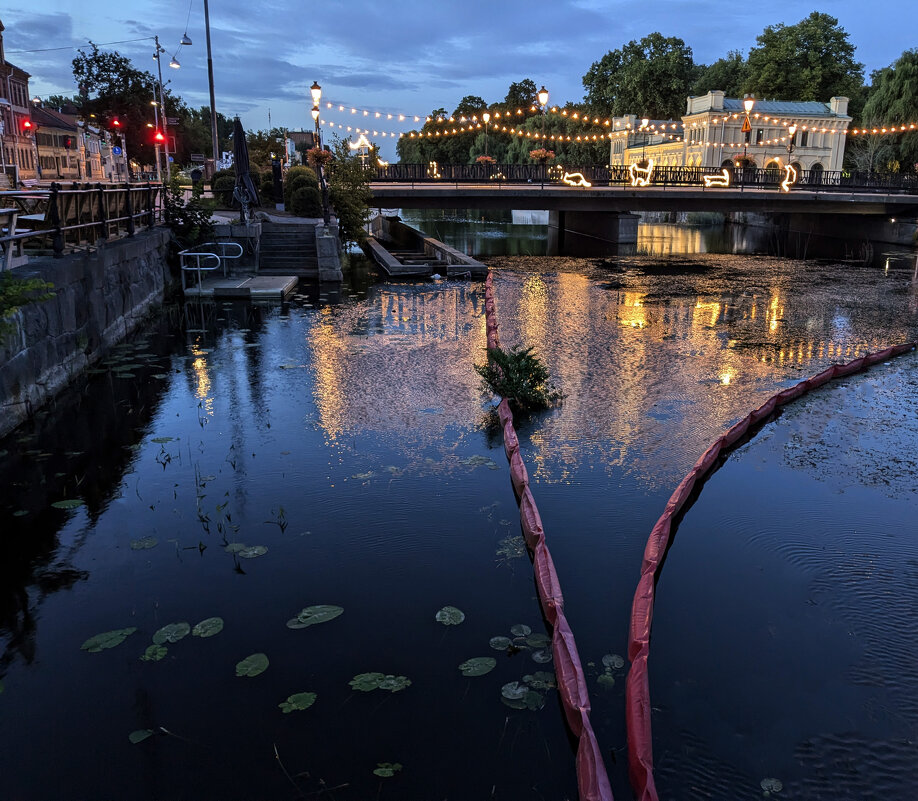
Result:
pixel 572 687
pixel 637 688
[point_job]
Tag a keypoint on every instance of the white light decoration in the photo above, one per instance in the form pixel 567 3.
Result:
pixel 790 178
pixel 640 176
pixel 575 179
pixel 717 180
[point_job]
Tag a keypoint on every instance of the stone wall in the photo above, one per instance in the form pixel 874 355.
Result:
pixel 100 297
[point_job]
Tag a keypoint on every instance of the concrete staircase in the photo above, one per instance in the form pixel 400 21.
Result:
pixel 288 249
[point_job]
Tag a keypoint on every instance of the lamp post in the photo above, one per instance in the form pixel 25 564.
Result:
pixel 210 81
pixel 156 135
pixel 165 129
pixel 792 132
pixel 487 118
pixel 316 91
pixel 748 104
pixel 644 123
pixel 543 102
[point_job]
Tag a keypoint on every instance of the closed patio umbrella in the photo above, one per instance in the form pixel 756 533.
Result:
pixel 245 192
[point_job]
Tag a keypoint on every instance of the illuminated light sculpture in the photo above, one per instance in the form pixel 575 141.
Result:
pixel 433 171
pixel 790 177
pixel 575 179
pixel 717 180
pixel 640 176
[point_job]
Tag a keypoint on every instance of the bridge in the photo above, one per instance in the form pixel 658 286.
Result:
pixel 592 209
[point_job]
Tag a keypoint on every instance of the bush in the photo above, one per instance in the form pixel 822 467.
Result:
pixel 221 174
pixel 297 177
pixel 223 190
pixel 520 377
pixel 306 202
pixel 190 220
pixel 266 190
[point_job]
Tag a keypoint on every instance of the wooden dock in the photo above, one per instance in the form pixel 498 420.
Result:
pixel 258 287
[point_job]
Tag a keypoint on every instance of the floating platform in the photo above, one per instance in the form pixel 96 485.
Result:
pixel 258 287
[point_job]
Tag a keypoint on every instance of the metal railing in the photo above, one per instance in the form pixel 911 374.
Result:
pixel 58 220
pixel 661 177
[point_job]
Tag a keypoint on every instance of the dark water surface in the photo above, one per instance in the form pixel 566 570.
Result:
pixel 352 441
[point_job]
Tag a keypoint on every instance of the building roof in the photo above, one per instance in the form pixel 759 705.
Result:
pixel 48 118
pixel 792 107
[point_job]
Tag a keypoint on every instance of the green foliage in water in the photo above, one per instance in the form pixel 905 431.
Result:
pixel 519 376
pixel 18 292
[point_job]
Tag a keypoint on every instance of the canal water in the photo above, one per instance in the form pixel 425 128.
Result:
pixel 250 463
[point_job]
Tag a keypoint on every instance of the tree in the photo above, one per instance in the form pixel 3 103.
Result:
pixel 470 105
pixel 893 100
pixel 650 78
pixel 727 74
pixel 812 60
pixel 521 95
pixel 349 191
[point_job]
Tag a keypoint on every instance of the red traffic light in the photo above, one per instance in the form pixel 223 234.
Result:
pixel 158 137
pixel 116 123
pixel 27 126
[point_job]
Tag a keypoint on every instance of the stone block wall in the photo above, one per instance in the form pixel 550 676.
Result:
pixel 100 297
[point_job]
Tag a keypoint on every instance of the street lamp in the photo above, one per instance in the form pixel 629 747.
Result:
pixel 543 102
pixel 316 91
pixel 792 132
pixel 159 69
pixel 748 104
pixel 487 118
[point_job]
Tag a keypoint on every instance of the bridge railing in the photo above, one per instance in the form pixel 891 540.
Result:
pixel 58 220
pixel 661 177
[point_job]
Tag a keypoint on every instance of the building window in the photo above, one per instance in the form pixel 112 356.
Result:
pixel 759 135
pixel 802 138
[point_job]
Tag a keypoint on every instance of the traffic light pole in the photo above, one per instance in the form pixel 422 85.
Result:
pixel 159 69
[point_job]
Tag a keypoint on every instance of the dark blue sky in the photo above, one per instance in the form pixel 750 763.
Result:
pixel 405 56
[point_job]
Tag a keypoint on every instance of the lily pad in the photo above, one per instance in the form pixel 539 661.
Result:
pixel 613 661
pixel 208 627
pixel 161 440
pixel 107 639
pixel 253 551
pixel 500 643
pixel 540 680
pixel 514 691
pixel 235 547
pixel 143 543
pixel 297 701
pixel 71 503
pixel 478 666
pixel 520 630
pixel 450 616
pixel 366 682
pixel 20 513
pixel 173 632
pixel 771 785
pixel 252 665
pixel 538 641
pixel 311 615
pixel 606 680
pixel 154 653
pixel 394 683
pixel 541 655
pixel 140 735
pixel 387 769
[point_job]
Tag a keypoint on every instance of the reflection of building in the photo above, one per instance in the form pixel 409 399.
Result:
pixel 711 135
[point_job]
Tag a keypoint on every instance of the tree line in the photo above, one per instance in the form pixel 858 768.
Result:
pixel 652 77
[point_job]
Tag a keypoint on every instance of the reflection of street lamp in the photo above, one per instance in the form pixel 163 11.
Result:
pixel 487 118
pixel 748 103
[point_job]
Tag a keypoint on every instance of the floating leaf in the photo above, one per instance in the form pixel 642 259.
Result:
pixel 235 547
pixel 514 691
pixel 500 643
pixel 173 632
pixel 20 513
pixel 542 656
pixel 363 476
pixel 771 785
pixel 512 547
pixel 107 639
pixel 143 543
pixel 606 680
pixel 450 616
pixel 253 551
pixel 311 615
pixel 538 640
pixel 366 682
pixel 140 735
pixel 154 653
pixel 394 683
pixel 387 769
pixel 71 503
pixel 540 680
pixel 252 665
pixel 613 661
pixel 297 701
pixel 161 440
pixel 520 630
pixel 478 666
pixel 208 627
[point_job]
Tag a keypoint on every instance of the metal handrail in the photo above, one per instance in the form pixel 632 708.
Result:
pixel 206 251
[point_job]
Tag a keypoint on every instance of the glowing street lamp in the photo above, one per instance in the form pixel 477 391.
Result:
pixel 748 104
pixel 791 133
pixel 487 118
pixel 316 92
